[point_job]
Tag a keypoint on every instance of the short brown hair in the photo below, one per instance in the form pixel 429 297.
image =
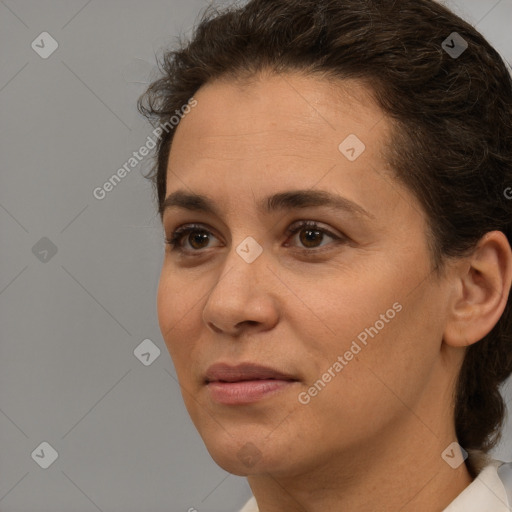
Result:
pixel 452 146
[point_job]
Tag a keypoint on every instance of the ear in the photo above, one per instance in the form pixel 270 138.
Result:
pixel 482 284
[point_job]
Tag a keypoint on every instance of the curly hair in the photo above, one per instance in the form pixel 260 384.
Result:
pixel 452 137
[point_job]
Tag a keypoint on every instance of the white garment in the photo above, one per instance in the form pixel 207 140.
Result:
pixel 490 491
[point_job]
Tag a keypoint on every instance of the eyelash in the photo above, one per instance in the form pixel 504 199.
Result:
pixel 181 232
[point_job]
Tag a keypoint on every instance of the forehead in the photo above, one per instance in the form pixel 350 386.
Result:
pixel 275 115
pixel 247 140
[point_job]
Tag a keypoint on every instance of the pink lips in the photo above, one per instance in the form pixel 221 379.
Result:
pixel 244 383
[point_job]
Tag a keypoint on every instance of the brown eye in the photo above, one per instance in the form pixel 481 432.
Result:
pixel 311 235
pixel 198 237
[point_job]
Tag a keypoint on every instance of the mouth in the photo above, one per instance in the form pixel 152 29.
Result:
pixel 245 383
pixel 222 372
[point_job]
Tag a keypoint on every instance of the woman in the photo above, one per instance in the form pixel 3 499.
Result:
pixel 334 292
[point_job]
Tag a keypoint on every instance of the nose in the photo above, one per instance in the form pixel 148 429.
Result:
pixel 244 297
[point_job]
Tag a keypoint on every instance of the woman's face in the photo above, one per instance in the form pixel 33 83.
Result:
pixel 349 310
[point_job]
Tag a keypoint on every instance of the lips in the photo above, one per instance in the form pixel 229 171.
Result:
pixel 221 372
pixel 245 384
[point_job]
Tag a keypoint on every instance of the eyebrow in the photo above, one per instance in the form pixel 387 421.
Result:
pixel 289 200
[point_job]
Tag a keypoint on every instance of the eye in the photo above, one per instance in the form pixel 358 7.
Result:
pixel 197 241
pixel 310 236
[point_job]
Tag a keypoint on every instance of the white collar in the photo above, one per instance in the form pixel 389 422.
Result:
pixel 250 506
pixel 486 493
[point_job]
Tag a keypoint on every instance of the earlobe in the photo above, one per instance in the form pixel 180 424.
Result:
pixel 481 290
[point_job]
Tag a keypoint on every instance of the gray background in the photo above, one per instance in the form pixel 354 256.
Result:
pixel 70 322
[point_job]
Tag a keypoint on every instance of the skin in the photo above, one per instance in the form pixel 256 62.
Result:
pixel 388 415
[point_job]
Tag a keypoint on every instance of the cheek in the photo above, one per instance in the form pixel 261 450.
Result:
pixel 370 315
pixel 340 305
pixel 389 343
pixel 175 307
pixel 166 305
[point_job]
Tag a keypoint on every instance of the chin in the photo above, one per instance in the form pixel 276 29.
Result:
pixel 239 456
